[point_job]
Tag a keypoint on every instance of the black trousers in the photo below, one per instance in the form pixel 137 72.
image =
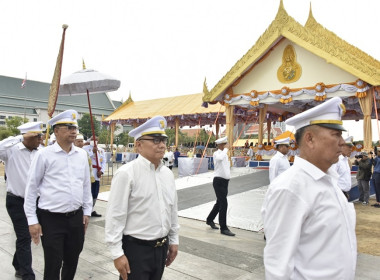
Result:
pixel 22 259
pixel 221 191
pixel 376 182
pixel 62 241
pixel 145 262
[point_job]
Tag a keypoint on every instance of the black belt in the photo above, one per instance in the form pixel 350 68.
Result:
pixel 151 243
pixel 68 214
pixel 13 195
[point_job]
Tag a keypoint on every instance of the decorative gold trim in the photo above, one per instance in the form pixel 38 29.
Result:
pixel 65 122
pixel 314 38
pixel 153 132
pixel 326 121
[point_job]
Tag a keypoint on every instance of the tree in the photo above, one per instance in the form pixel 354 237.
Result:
pixel 15 122
pixel 4 133
pixel 85 125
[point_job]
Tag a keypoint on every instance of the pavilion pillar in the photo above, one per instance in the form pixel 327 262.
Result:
pixel 269 129
pixel 366 104
pixel 134 139
pixel 230 123
pixel 217 126
pixel 176 131
pixel 112 127
pixel 262 113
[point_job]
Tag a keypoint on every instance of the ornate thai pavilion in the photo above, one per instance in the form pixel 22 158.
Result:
pixel 292 68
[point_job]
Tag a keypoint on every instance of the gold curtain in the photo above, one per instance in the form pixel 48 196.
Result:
pixel 366 106
pixel 262 113
pixel 230 123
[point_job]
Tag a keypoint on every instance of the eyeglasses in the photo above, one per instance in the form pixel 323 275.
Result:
pixel 156 140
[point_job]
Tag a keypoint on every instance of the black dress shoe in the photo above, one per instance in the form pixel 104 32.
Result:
pixel 18 274
pixel 94 214
pixel 227 232
pixel 212 225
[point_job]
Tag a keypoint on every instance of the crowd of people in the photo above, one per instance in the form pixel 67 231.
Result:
pixel 52 191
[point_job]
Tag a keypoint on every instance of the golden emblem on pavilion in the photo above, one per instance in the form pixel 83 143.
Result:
pixel 289 71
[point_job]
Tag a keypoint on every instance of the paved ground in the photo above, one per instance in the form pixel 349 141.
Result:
pixel 204 253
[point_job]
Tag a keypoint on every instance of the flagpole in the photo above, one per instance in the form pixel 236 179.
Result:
pixel 54 87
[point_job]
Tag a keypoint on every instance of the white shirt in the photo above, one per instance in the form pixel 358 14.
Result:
pixel 61 179
pixel 221 164
pixel 142 203
pixel 309 226
pixel 278 164
pixel 101 160
pixel 17 160
pixel 170 157
pixel 344 171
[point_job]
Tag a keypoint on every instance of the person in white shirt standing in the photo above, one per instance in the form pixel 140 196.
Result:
pixel 142 222
pixel 308 222
pixel 17 153
pixel 60 176
pixel 222 175
pixel 279 162
pixel 343 167
pixel 169 158
pixel 98 169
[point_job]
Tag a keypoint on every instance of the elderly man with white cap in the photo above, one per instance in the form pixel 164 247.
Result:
pixel 308 222
pixel 60 176
pixel 17 153
pixel 222 175
pixel 141 221
pixel 279 162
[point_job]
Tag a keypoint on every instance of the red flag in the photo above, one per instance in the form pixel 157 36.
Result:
pixel 23 84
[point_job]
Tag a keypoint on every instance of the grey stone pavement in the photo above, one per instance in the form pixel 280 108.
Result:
pixel 203 253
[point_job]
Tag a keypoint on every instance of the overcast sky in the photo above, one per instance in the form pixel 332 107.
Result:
pixel 160 48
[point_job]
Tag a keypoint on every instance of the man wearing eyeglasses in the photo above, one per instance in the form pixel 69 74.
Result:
pixel 60 175
pixel 17 153
pixel 141 222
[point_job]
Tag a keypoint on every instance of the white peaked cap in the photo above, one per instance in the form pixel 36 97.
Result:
pixel 35 127
pixel 68 117
pixel 155 126
pixel 283 141
pixel 221 140
pixel 328 114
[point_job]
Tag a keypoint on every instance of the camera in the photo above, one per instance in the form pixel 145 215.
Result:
pixel 358 156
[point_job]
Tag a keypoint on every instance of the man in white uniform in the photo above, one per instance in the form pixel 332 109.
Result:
pixel 309 225
pixel 96 153
pixel 17 153
pixel 343 167
pixel 279 162
pixel 222 175
pixel 142 223
pixel 60 176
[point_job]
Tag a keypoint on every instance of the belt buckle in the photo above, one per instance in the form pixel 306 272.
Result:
pixel 160 243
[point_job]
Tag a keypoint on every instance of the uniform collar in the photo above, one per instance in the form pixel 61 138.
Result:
pixel 58 148
pixel 148 163
pixel 311 169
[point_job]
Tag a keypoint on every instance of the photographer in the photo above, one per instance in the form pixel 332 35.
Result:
pixel 376 177
pixel 363 176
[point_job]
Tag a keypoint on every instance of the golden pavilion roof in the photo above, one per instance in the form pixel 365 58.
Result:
pixel 314 38
pixel 187 108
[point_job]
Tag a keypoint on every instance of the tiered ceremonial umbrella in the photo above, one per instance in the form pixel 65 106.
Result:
pixel 88 82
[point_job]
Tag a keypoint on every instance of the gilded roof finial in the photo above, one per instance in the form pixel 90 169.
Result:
pixel 129 100
pixel 84 65
pixel 310 20
pixel 205 88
